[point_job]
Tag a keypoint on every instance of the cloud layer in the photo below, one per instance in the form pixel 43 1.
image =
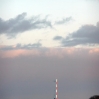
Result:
pixel 28 74
pixel 20 24
pixel 85 35
pixel 37 50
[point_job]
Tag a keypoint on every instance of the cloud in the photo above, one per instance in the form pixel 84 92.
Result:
pixel 21 24
pixel 95 50
pixel 85 35
pixel 57 38
pixel 29 46
pixel 19 52
pixel 19 46
pixel 15 51
pixel 30 49
pixel 64 20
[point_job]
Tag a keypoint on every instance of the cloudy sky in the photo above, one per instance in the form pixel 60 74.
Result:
pixel 41 40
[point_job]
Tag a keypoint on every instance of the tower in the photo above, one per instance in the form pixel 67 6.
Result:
pixel 56 95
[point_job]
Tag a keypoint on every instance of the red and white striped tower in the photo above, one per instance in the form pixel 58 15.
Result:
pixel 56 89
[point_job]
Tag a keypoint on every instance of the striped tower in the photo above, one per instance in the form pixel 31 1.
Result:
pixel 56 89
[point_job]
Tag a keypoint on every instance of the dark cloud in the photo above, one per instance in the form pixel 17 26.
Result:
pixel 64 20
pixel 20 24
pixel 19 46
pixel 57 38
pixel 85 35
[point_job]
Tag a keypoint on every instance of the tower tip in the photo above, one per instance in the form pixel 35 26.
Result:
pixel 56 80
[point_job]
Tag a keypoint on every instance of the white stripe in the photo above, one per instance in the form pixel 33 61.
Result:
pixel 56 96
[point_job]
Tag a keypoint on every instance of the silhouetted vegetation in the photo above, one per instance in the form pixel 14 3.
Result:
pixel 94 97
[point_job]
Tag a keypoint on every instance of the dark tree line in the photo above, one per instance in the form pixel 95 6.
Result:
pixel 94 97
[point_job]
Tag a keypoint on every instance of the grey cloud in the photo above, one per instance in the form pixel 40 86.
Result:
pixel 20 24
pixel 29 46
pixel 64 20
pixel 19 46
pixel 85 35
pixel 57 38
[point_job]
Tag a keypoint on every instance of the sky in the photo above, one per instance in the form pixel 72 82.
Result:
pixel 42 40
